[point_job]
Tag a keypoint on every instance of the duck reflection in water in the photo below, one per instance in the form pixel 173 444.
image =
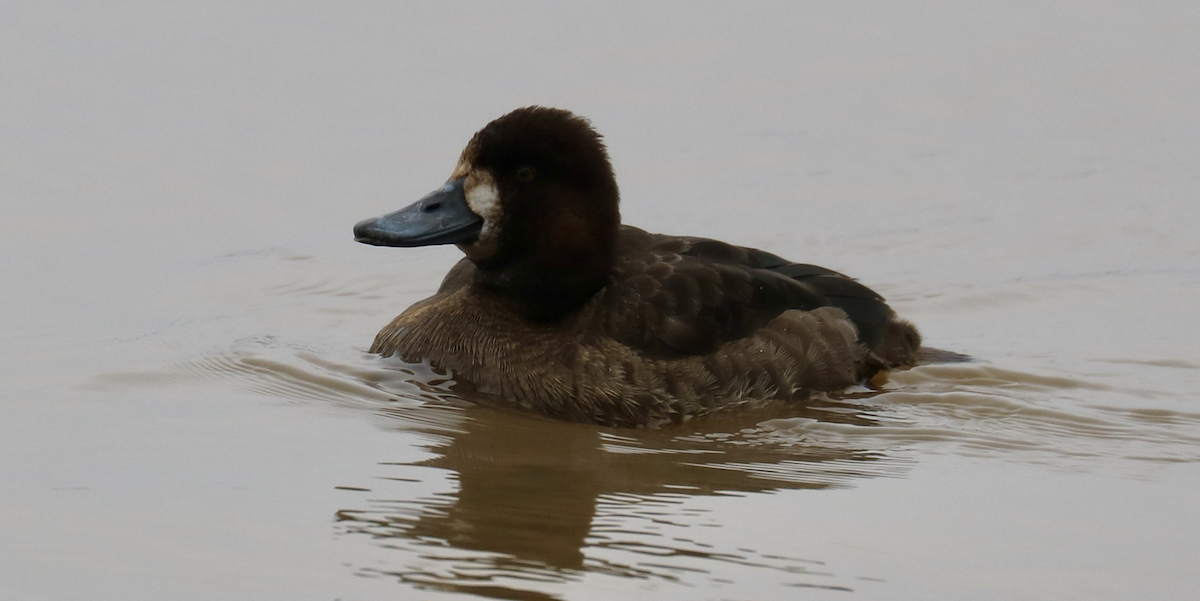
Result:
pixel 541 500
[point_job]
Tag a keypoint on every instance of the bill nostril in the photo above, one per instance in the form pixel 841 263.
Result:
pixel 431 207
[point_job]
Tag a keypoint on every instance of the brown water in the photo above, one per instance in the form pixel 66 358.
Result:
pixel 188 411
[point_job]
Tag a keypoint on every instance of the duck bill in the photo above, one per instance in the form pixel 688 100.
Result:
pixel 441 217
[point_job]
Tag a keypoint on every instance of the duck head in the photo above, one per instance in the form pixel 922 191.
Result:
pixel 533 203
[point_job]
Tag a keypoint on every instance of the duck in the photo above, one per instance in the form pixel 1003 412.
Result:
pixel 559 309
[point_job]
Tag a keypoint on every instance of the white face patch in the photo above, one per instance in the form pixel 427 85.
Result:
pixel 482 196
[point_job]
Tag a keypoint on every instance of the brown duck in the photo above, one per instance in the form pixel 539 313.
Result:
pixel 559 309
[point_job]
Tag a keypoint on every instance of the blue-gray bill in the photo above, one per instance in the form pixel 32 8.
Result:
pixel 440 217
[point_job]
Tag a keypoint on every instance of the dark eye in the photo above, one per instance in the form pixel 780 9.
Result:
pixel 526 174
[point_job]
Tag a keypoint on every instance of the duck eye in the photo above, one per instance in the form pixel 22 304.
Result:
pixel 526 174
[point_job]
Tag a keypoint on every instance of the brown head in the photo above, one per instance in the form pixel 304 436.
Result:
pixel 532 203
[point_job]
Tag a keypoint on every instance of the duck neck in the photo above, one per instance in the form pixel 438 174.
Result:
pixel 554 266
pixel 540 292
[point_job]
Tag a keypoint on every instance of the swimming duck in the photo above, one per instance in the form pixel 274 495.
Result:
pixel 560 309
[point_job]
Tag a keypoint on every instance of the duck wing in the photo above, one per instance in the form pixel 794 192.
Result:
pixel 865 307
pixel 688 296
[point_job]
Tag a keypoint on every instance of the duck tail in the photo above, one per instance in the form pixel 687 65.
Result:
pixel 899 344
pixel 927 355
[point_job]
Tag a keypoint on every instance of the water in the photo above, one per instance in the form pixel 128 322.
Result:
pixel 189 412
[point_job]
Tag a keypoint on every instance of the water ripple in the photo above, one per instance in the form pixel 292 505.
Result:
pixel 982 409
pixel 528 507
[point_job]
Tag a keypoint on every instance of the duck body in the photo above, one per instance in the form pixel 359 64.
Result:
pixel 561 310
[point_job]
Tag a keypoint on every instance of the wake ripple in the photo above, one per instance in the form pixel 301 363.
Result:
pixel 967 408
pixel 989 411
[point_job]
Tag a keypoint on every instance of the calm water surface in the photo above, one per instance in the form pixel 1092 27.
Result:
pixel 188 411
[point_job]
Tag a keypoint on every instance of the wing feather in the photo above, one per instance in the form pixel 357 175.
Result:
pixel 689 296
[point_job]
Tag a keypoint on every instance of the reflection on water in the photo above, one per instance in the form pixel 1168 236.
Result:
pixel 546 500
pixel 513 506
pixel 538 502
